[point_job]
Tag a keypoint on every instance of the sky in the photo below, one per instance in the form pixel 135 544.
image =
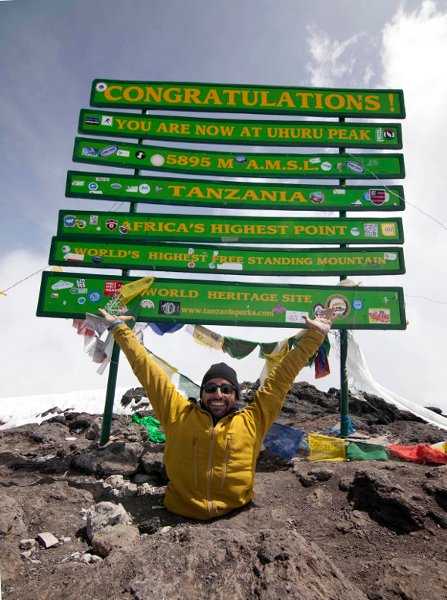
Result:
pixel 51 51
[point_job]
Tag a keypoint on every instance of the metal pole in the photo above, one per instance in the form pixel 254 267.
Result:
pixel 114 363
pixel 344 404
pixel 110 395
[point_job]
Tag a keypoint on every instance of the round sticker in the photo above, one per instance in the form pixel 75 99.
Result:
pixel 94 296
pixel 354 166
pixel 317 197
pixel 101 86
pixel 357 304
pixel 340 304
pixel 81 300
pixel 355 231
pixel 144 188
pixel 108 151
pixel 147 304
pixel 326 166
pixel 69 221
pixel 92 186
pixel 157 160
pixel 240 160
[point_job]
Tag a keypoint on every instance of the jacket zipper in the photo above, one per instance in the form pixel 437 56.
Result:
pixel 225 463
pixel 196 470
pixel 210 503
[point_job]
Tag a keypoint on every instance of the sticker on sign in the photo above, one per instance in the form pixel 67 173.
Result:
pixel 295 316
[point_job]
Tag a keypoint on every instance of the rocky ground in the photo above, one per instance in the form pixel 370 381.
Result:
pixel 79 521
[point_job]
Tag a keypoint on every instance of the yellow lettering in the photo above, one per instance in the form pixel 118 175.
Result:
pixel 212 97
pixel 372 103
pixel 111 97
pixel 134 93
pixel 286 99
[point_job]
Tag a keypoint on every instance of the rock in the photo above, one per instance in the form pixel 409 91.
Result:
pixel 81 421
pixel 147 489
pixel 345 483
pixel 122 536
pixel 55 410
pixel 27 544
pixel 438 488
pixel 135 395
pixel 124 488
pixel 47 539
pixel 65 540
pixel 150 526
pixel 268 564
pixel 116 458
pixel 93 431
pixel 315 475
pixel 152 463
pixel 89 558
pixel 141 478
pixel 387 503
pixel 106 514
pixel 116 481
pixel 11 516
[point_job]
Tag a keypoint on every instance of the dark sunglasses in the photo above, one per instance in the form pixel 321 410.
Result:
pixel 225 388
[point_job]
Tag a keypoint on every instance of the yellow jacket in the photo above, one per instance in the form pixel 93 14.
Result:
pixel 211 468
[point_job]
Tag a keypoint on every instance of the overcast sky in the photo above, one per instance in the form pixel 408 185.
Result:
pixel 50 51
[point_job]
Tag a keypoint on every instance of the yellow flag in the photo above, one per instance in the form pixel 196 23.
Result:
pixel 442 446
pixel 206 337
pixel 271 360
pixel 167 368
pixel 134 288
pixel 324 447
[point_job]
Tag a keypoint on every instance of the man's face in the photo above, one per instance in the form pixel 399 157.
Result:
pixel 217 402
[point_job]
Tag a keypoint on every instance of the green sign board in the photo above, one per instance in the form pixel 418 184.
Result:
pixel 209 97
pixel 233 194
pixel 119 254
pixel 71 295
pixel 225 131
pixel 179 160
pixel 265 230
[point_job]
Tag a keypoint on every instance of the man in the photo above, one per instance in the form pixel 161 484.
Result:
pixel 212 447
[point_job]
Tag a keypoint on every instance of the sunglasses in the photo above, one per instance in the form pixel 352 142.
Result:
pixel 225 388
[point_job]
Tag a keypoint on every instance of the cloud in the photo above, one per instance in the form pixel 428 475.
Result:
pixel 410 46
pixel 333 62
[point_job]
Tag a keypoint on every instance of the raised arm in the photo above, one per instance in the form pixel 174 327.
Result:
pixel 270 397
pixel 162 393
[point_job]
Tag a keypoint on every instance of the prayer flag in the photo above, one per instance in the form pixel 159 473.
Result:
pixel 323 447
pixel 283 440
